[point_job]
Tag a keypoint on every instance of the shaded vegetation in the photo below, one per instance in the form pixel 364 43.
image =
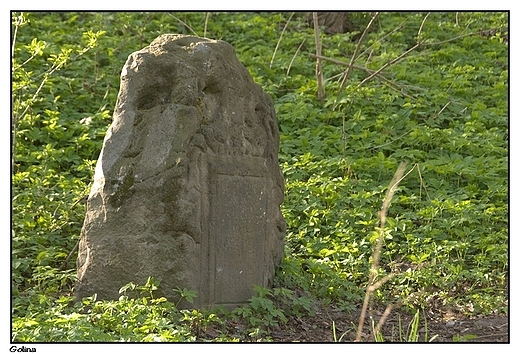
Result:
pixel 442 107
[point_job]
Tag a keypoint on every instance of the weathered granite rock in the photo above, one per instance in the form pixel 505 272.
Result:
pixel 187 187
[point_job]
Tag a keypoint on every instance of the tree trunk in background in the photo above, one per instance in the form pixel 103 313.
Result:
pixel 334 22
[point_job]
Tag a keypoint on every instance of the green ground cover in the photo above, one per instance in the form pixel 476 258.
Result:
pixel 440 105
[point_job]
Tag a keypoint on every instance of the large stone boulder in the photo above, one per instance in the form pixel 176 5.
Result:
pixel 187 188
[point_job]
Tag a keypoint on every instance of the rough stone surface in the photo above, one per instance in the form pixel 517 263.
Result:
pixel 187 187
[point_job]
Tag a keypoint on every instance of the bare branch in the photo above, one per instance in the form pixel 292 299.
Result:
pixel 398 177
pixel 377 73
pixel 391 62
pixel 383 318
pixel 354 56
pixel 421 27
pixel 183 23
pixel 294 56
pixel 451 39
pixel 280 39
pixel 400 26
pixel 319 71
pixel 391 141
pixel 339 62
pixel 381 78
pixel 378 284
pixel 206 23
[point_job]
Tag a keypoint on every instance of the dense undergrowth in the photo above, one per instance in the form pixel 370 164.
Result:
pixel 442 108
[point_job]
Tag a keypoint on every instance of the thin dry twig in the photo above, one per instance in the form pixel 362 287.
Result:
pixel 294 56
pixel 391 141
pixel 421 27
pixel 184 24
pixel 400 26
pixel 391 62
pixel 66 261
pixel 398 177
pixel 376 73
pixel 422 183
pixel 380 282
pixel 442 109
pixel 383 318
pixel 319 71
pixel 74 249
pixel 388 83
pixel 280 39
pixel 354 56
pixel 393 86
pixel 339 62
pixel 206 23
pixel 451 39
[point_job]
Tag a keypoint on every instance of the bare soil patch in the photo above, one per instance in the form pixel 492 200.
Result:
pixel 446 328
pixel 441 327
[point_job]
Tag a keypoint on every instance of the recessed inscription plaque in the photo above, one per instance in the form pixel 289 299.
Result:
pixel 187 187
pixel 239 218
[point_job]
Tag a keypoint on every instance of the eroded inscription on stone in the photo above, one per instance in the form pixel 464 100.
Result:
pixel 187 187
